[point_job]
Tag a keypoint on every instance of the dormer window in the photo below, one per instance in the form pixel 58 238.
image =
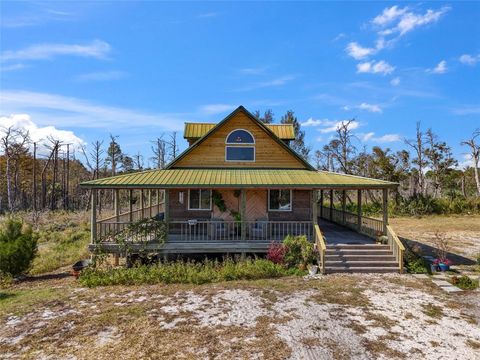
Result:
pixel 239 146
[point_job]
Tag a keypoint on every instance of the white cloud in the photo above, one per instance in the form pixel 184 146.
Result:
pixel 280 81
pixel 41 134
pixel 207 15
pixel 469 59
pixel 101 76
pixel 96 49
pixel 441 68
pixel 312 122
pixel 254 70
pixel 367 136
pixel 467 110
pixel 379 139
pixel 395 81
pixel 63 111
pixel 388 15
pixel 380 67
pixel 213 109
pixel 12 67
pixel 359 52
pixel 333 126
pixel 370 107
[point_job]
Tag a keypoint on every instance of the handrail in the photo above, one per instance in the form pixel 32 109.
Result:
pixel 396 246
pixel 321 246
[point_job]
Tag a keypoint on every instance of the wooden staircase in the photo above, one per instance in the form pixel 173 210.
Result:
pixel 360 258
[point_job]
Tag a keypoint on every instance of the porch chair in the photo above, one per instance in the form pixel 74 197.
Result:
pixel 218 229
pixel 259 229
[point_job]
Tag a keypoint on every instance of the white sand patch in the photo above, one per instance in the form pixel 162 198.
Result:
pixel 107 336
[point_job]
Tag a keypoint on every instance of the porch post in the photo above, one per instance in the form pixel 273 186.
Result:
pixel 321 204
pixel 331 204
pixel 344 204
pixel 149 202
pixel 130 206
pixel 158 201
pixel 385 210
pixel 315 206
pixel 142 203
pixel 116 208
pixel 93 217
pixel 243 212
pixel 166 205
pixel 359 209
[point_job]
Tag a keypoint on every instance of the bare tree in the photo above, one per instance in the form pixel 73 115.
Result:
pixel 341 148
pixel 159 149
pixel 138 161
pixel 475 154
pixel 418 145
pixel 173 145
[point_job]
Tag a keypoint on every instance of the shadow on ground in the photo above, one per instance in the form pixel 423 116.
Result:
pixel 428 250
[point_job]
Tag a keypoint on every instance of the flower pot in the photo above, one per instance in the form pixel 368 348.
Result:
pixel 443 267
pixel 312 270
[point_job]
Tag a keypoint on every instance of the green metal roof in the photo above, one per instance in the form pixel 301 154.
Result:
pixel 236 178
pixel 197 130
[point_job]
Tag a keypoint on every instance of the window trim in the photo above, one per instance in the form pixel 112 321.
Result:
pixel 229 143
pixel 200 200
pixel 280 210
pixel 241 147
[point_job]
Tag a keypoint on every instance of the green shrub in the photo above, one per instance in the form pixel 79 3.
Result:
pixel 185 273
pixel 417 266
pixel 464 282
pixel 478 259
pixel 298 251
pixel 18 246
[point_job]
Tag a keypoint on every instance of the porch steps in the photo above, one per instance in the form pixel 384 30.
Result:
pixel 359 258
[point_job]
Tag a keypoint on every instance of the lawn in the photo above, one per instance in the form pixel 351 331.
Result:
pixel 334 317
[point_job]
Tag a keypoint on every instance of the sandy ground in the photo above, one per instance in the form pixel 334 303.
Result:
pixel 333 317
pixel 463 232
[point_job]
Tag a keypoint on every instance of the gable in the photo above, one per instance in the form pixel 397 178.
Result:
pixel 209 151
pixel 194 131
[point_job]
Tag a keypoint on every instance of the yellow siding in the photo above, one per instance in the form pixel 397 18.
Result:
pixel 197 130
pixel 268 153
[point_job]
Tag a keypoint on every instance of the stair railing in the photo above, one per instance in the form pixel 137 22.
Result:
pixel 396 247
pixel 321 246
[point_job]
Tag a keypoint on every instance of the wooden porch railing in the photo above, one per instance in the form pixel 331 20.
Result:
pixel 321 246
pixel 209 230
pixel 369 226
pixel 396 247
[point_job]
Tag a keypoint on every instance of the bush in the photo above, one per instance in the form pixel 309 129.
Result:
pixel 298 251
pixel 185 273
pixel 417 266
pixel 276 253
pixel 464 282
pixel 18 246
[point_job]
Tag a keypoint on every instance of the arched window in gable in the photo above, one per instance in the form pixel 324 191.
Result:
pixel 239 146
pixel 240 136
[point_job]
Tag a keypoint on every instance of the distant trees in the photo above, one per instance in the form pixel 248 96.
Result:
pixel 267 116
pixel 475 155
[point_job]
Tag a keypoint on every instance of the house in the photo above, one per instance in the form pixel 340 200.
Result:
pixel 235 189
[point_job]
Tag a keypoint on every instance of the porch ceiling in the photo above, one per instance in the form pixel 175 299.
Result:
pixel 237 178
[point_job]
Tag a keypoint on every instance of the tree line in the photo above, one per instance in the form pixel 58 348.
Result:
pixel 425 169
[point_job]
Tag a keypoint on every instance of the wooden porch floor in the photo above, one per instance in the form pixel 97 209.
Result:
pixel 341 235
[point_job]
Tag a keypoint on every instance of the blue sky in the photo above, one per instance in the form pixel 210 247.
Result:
pixel 83 70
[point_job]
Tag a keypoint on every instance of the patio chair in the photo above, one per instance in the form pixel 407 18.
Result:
pixel 259 229
pixel 218 229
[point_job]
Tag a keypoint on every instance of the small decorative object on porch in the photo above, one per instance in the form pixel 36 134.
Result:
pixel 443 264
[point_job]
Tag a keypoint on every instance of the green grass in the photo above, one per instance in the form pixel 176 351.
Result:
pixel 186 273
pixel 19 302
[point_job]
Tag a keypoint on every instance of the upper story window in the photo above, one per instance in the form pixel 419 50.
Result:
pixel 240 137
pixel 240 148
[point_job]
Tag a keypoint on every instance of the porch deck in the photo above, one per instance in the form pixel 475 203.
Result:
pixel 340 235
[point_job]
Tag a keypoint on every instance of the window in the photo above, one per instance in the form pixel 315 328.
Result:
pixel 240 153
pixel 199 199
pixel 240 137
pixel 280 200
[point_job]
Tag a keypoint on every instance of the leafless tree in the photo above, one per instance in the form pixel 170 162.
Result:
pixel 475 154
pixel 159 149
pixel 341 148
pixel 418 146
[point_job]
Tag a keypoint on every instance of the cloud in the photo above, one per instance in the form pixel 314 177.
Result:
pixel 253 71
pixel 312 122
pixel 467 110
pixel 469 59
pixel 370 107
pixel 395 81
pixel 97 49
pixel 101 76
pixel 359 52
pixel 214 109
pixel 280 81
pixel 387 138
pixel 13 67
pixel 332 125
pixel 388 15
pixel 40 134
pixel 380 67
pixel 58 110
pixel 207 15
pixel 441 68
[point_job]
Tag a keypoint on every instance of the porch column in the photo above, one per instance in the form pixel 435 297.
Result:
pixel 166 205
pixel 321 204
pixel 142 203
pixel 315 206
pixel 344 204
pixel 359 209
pixel 116 209
pixel 93 217
pixel 149 202
pixel 331 204
pixel 243 212
pixel 385 210
pixel 130 206
pixel 158 200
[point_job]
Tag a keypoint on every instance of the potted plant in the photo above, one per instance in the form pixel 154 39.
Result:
pixel 443 263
